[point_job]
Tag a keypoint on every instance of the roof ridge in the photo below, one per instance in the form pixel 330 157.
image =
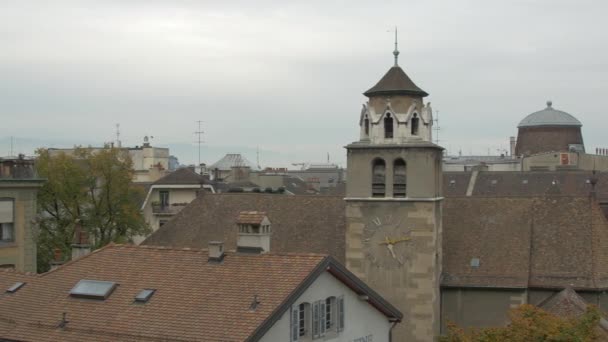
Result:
pixel 60 267
pixel 189 249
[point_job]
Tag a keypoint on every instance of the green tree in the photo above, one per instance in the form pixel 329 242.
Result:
pixel 531 324
pixel 91 188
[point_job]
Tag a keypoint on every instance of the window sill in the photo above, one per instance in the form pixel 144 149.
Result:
pixel 7 244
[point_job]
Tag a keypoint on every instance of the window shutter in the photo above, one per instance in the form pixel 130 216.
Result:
pixel 295 328
pixel 315 319
pixel 323 315
pixel 340 306
pixel 6 211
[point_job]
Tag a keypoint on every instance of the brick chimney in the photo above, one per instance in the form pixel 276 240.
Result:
pixel 216 251
pixel 80 242
pixel 512 143
pixel 254 232
pixel 57 258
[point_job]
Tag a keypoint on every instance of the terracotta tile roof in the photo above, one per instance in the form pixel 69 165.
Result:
pixel 568 304
pixel 194 300
pixel 182 176
pixel 295 219
pixel 543 242
pixel 251 217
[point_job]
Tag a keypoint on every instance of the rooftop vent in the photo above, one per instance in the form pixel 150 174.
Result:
pixel 216 251
pixel 475 262
pixel 93 289
pixel 144 295
pixel 254 303
pixel 16 286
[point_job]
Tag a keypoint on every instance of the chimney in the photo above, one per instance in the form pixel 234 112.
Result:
pixel 216 251
pixel 240 173
pixel 80 242
pixel 254 232
pixel 57 258
pixel 512 144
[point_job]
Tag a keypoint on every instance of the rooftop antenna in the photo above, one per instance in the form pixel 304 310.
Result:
pixel 396 52
pixel 199 133
pixel 12 146
pixel 257 152
pixel 437 128
pixel 327 157
pixel 118 143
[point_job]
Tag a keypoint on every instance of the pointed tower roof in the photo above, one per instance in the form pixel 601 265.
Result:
pixel 395 81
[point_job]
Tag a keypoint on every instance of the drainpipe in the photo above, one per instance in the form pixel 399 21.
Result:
pixel 390 331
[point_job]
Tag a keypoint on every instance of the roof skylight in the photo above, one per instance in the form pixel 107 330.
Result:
pixel 94 289
pixel 16 286
pixel 144 295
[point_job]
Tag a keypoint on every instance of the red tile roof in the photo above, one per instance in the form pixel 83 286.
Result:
pixel 194 300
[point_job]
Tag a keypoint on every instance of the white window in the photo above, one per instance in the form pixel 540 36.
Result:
pixel 7 218
pixel 315 321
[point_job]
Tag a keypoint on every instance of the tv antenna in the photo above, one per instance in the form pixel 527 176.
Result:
pixel 118 143
pixel 199 133
pixel 437 128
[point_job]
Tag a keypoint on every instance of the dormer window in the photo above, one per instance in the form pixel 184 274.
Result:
pixel 388 126
pixel 415 124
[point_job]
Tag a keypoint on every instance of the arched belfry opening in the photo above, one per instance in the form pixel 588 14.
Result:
pixel 415 124
pixel 399 178
pixel 366 124
pixel 378 178
pixel 388 126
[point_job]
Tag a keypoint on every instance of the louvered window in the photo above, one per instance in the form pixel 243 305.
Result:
pixel 399 178
pixel 378 178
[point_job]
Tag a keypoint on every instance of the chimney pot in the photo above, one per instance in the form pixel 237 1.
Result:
pixel 216 251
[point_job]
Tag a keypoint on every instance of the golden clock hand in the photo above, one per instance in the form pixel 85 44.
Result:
pixel 390 248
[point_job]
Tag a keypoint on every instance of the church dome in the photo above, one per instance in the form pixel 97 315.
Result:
pixel 549 117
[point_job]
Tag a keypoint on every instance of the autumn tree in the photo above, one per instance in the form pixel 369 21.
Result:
pixel 92 188
pixel 531 324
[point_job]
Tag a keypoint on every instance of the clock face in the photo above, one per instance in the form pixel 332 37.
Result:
pixel 387 242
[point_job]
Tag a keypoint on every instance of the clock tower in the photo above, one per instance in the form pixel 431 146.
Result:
pixel 394 203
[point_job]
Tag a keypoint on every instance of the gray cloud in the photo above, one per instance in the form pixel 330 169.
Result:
pixel 289 76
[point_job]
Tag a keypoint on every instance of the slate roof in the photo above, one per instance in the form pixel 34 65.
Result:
pixel 181 176
pixel 230 160
pixel 525 184
pixel 395 82
pixel 543 242
pixel 194 300
pixel 302 224
pixel 537 238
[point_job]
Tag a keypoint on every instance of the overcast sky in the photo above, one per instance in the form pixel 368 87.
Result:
pixel 287 76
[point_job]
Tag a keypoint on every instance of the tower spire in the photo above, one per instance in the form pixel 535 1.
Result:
pixel 396 52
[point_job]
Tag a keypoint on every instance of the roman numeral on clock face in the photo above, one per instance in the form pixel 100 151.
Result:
pixel 377 221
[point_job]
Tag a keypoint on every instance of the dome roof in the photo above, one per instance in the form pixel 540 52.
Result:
pixel 549 117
